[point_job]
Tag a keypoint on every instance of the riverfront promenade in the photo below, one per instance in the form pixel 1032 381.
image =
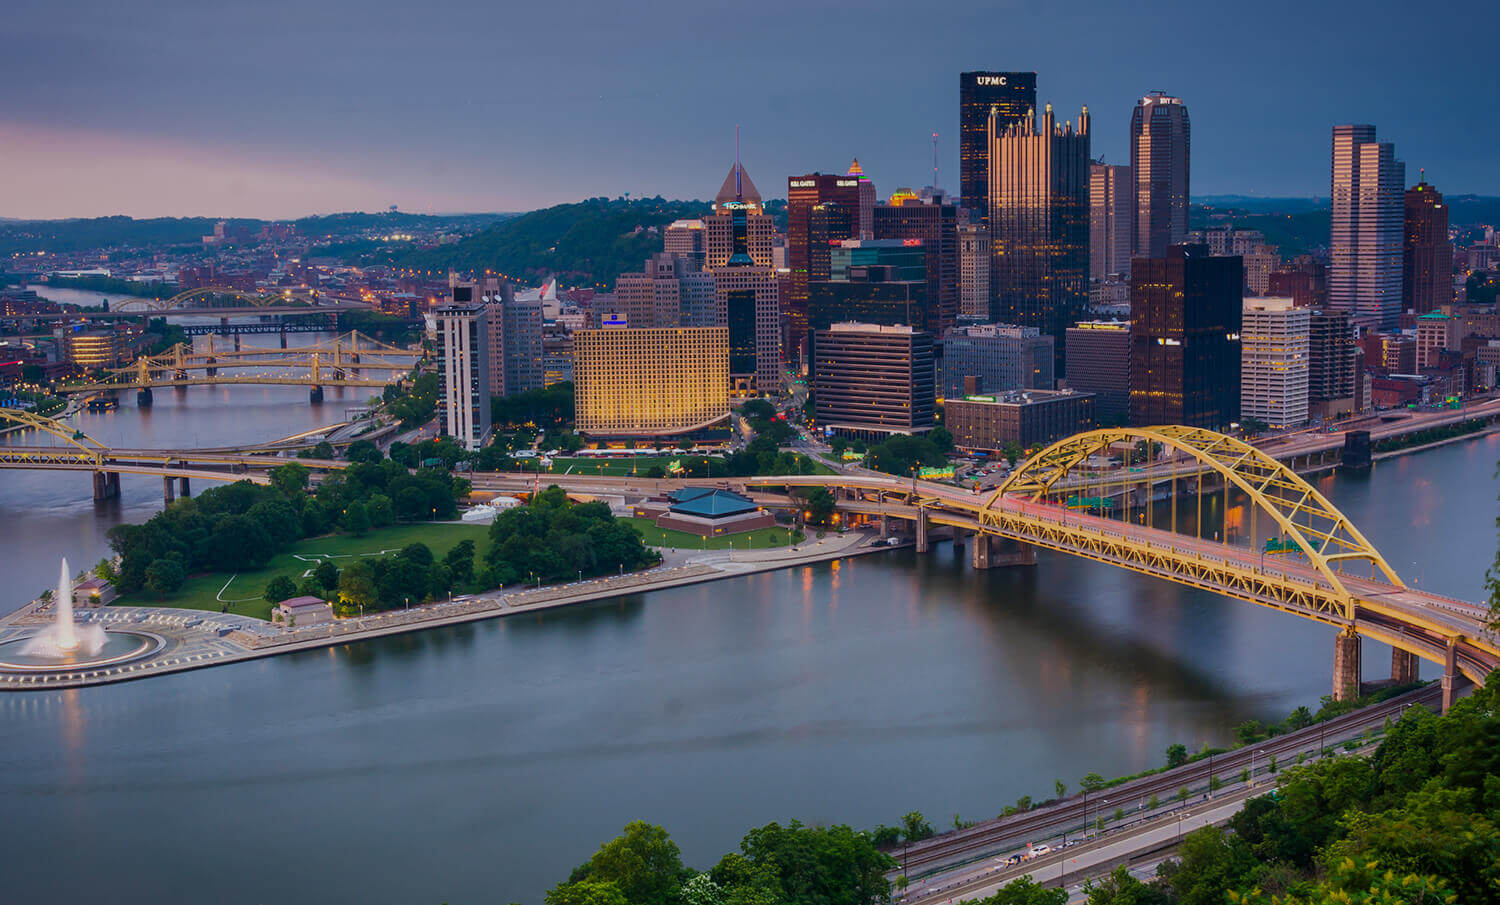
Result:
pixel 195 639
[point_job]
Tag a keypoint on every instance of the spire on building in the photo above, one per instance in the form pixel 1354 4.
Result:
pixel 855 170
pixel 738 188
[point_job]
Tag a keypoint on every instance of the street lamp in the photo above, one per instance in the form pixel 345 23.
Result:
pixel 1252 765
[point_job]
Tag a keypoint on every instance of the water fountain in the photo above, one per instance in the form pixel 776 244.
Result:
pixel 65 644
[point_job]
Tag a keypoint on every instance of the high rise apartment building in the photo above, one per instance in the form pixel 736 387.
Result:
pixel 1364 272
pixel 656 381
pixel 688 239
pixel 1333 364
pixel 873 380
pixel 1111 219
pixel 1185 311
pixel 1274 361
pixel 1039 224
pixel 935 225
pixel 461 334
pixel 1011 97
pixel 1159 166
pixel 1427 254
pixel 1001 356
pixel 974 271
pixel 513 333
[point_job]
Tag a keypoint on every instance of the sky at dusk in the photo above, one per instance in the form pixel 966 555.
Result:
pixel 280 109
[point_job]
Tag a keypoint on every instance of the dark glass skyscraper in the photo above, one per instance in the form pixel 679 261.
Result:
pixel 1039 225
pixel 1185 311
pixel 1013 96
pixel 803 195
pixel 1427 255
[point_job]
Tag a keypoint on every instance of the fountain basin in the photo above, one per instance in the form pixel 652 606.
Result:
pixel 120 646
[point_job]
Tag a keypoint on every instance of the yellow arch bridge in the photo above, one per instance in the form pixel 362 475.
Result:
pixel 350 360
pixel 1135 498
pixel 206 296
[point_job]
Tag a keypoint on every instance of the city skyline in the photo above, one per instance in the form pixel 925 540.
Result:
pixel 240 115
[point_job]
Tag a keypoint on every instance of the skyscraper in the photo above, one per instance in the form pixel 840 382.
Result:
pixel 651 381
pixel 935 226
pixel 974 271
pixel 1185 310
pixel 1012 97
pixel 749 302
pixel 874 282
pixel 1111 218
pixel 873 380
pixel 1039 224
pixel 461 330
pixel 1333 368
pixel 1427 255
pixel 1274 361
pixel 807 262
pixel 866 224
pixel 1364 273
pixel 1159 163
pixel 1000 356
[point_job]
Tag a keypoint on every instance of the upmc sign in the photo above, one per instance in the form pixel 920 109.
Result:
pixel 989 80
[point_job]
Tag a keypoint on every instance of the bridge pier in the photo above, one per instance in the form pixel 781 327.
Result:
pixel 236 342
pixel 283 334
pixel 167 489
pixel 1450 675
pixel 184 490
pixel 1403 667
pixel 979 555
pixel 143 398
pixel 106 486
pixel 1346 666
pixel 315 395
pixel 921 530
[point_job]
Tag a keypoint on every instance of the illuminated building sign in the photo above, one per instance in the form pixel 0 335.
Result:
pixel 989 80
pixel 846 183
pixel 804 183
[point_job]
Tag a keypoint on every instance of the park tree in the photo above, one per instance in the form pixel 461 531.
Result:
pixel 239 542
pixel 586 892
pixel 915 827
pixel 381 510
pixel 1025 891
pixel 1176 755
pixel 460 562
pixel 291 479
pixel 1091 783
pixel 357 519
pixel 280 588
pixel 820 505
pixel 164 576
pixel 357 585
pixel 1060 787
pixel 327 575
pixel 363 451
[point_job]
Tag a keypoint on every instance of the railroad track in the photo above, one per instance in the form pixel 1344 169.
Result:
pixel 959 847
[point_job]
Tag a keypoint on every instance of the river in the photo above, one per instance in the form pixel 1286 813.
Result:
pixel 479 764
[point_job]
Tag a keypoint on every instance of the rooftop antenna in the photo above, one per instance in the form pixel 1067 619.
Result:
pixel 934 161
pixel 739 194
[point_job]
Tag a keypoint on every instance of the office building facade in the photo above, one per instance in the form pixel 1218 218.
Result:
pixel 833 202
pixel 746 289
pixel 688 239
pixel 1366 240
pixel 1010 96
pixel 1185 312
pixel 1039 224
pixel 1427 254
pixel 650 382
pixel 873 380
pixel 1111 219
pixel 1099 363
pixel 935 225
pixel 1159 167
pixel 974 271
pixel 738 224
pixel 1001 357
pixel 1274 361
pixel 462 337
pixel 986 424
pixel 1333 364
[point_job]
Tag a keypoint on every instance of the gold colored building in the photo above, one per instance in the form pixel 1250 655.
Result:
pixel 650 382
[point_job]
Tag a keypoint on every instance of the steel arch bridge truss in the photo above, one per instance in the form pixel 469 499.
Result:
pixel 1307 521
pixel 254 300
pixel 77 447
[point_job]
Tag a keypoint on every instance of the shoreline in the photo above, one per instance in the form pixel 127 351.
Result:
pixel 202 638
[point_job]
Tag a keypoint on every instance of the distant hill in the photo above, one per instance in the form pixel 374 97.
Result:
pixel 589 242
pixel 75 235
pixel 1259 205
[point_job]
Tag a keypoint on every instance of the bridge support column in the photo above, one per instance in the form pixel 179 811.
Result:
pixel 106 486
pixel 283 334
pixel 1346 666
pixel 980 556
pixel 236 342
pixel 143 398
pixel 167 489
pixel 315 395
pixel 183 488
pixel 1403 667
pixel 885 526
pixel 1450 676
pixel 921 530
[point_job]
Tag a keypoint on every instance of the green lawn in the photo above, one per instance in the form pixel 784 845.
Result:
pixel 242 591
pixel 753 540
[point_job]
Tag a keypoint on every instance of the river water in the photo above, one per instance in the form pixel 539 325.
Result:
pixel 479 764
